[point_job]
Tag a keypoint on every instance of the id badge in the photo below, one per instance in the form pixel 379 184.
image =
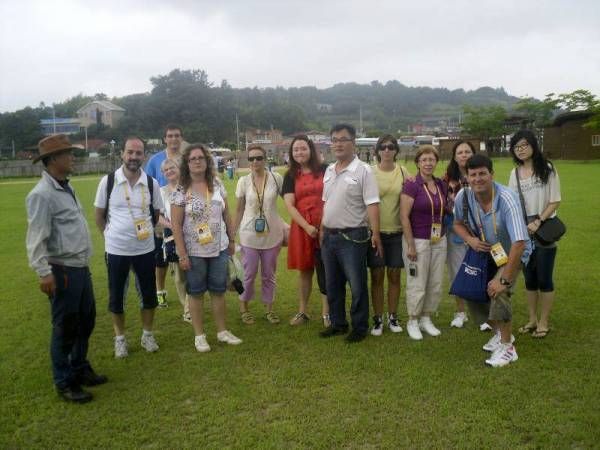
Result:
pixel 143 228
pixel 499 255
pixel 436 232
pixel 204 234
pixel 260 225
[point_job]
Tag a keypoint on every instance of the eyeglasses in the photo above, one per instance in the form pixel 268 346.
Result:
pixel 390 147
pixel 196 159
pixel 255 158
pixel 341 140
pixel 522 147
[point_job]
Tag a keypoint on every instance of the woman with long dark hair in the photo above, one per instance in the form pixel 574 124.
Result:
pixel 203 238
pixel 536 179
pixel 456 178
pixel 302 194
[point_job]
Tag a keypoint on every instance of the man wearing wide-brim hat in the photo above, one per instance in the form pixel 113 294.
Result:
pixel 59 248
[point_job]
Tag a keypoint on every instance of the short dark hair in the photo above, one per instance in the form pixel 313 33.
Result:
pixel 381 140
pixel 343 126
pixel 46 161
pixel 173 126
pixel 134 138
pixel 257 147
pixel 477 161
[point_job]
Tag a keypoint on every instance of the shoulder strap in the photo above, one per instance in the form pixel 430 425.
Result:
pixel 276 184
pixel 150 181
pixel 467 212
pixel 521 198
pixel 110 183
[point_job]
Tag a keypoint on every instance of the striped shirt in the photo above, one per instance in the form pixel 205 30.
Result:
pixel 510 225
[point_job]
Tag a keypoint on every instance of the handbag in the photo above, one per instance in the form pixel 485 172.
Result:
pixel 476 269
pixel 551 230
pixel 169 250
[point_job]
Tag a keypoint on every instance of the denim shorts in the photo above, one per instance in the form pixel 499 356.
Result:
pixel 208 274
pixel 392 252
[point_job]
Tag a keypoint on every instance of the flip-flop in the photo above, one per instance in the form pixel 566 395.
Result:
pixel 527 328
pixel 540 334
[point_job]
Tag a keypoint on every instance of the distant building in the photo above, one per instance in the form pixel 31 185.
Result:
pixel 59 125
pixel 445 146
pixel 324 107
pixel 568 139
pixel 258 136
pixel 106 112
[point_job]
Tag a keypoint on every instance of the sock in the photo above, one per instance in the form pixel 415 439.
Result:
pixel 146 333
pixel 120 337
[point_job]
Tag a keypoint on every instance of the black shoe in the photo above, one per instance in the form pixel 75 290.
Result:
pixel 355 336
pixel 90 378
pixel 333 331
pixel 74 394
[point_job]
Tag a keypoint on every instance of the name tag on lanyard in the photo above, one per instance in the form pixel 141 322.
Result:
pixel 436 225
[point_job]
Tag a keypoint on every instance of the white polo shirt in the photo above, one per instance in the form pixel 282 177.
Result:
pixel 347 194
pixel 120 237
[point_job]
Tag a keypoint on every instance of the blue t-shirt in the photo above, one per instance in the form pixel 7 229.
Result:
pixel 153 167
pixel 510 225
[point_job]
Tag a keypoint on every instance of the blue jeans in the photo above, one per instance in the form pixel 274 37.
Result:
pixel 73 309
pixel 208 274
pixel 345 261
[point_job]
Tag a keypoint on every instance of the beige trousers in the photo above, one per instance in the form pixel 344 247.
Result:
pixel 424 291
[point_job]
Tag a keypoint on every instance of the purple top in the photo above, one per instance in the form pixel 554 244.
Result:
pixel 420 215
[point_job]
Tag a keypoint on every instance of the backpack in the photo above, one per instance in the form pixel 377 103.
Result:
pixel 110 183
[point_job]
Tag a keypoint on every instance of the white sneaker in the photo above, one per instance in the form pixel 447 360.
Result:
pixel 505 354
pixel 494 343
pixel 459 320
pixel 201 344
pixel 187 317
pixel 149 343
pixel 121 348
pixel 228 337
pixel 485 327
pixel 393 324
pixel 377 329
pixel 412 328
pixel 426 325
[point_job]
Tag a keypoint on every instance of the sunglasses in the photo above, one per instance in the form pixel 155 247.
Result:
pixel 390 147
pixel 255 158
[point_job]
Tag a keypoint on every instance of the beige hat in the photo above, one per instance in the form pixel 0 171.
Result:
pixel 53 144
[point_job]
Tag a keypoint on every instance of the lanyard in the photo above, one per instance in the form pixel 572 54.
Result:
pixel 437 192
pixel 480 224
pixel 260 199
pixel 127 197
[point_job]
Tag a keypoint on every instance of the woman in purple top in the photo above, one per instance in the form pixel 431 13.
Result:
pixel 422 206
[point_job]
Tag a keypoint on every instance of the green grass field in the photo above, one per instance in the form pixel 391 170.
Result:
pixel 285 387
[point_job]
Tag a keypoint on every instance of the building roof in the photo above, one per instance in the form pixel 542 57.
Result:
pixel 571 115
pixel 105 104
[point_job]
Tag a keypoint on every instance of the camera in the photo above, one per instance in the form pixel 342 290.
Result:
pixel 412 269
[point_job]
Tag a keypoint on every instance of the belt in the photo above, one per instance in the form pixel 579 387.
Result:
pixel 342 230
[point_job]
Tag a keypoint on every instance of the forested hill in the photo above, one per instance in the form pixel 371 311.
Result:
pixel 207 110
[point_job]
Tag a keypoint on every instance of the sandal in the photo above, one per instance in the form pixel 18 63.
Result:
pixel 247 318
pixel 528 328
pixel 272 317
pixel 540 334
pixel 299 319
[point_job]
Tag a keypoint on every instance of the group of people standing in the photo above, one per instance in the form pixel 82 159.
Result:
pixel 347 217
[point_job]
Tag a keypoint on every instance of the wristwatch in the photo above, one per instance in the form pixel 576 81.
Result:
pixel 505 282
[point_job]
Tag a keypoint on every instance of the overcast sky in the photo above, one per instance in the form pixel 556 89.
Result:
pixel 52 50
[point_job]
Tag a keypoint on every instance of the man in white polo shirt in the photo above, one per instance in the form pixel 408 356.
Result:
pixel 126 217
pixel 351 195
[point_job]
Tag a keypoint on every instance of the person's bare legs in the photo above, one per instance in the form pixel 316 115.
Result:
pixel 546 300
pixel 377 279
pixel 196 305
pixel 118 321
pixel 305 289
pixel 218 308
pixel 393 276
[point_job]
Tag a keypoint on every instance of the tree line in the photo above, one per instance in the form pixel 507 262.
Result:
pixel 207 111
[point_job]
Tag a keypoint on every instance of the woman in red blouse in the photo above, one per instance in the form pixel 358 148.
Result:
pixel 302 193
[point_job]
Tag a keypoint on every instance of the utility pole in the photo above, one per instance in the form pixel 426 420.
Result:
pixel 360 128
pixel 54 119
pixel 237 132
